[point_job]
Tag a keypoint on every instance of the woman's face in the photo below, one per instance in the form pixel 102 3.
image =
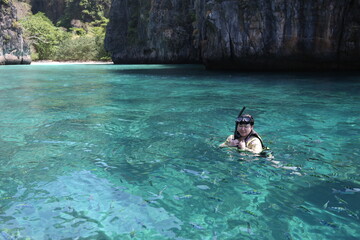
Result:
pixel 244 129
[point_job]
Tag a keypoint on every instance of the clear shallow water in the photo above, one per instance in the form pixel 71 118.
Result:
pixel 130 152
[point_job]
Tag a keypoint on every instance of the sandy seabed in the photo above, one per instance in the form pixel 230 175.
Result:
pixel 67 62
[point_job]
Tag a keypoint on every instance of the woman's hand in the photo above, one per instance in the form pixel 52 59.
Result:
pixel 242 145
pixel 233 143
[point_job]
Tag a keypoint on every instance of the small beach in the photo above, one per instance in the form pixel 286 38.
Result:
pixel 67 62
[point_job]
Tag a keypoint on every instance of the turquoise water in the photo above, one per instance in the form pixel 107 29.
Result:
pixel 130 152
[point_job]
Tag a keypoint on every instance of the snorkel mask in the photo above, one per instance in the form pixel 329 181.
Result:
pixel 245 119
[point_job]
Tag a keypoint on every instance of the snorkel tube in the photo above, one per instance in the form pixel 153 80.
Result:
pixel 236 135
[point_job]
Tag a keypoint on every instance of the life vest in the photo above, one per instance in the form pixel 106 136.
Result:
pixel 253 133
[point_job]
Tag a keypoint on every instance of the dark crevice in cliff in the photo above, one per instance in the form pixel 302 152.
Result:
pixel 302 29
pixel 269 21
pixel 342 28
pixel 232 54
pixel 199 6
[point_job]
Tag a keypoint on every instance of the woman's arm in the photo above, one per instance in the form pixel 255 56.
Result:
pixel 254 145
pixel 230 142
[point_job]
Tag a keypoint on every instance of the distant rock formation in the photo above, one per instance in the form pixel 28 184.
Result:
pixel 13 48
pixel 237 34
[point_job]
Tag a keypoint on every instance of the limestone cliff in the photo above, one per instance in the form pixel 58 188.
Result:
pixel 237 34
pixel 69 13
pixel 53 9
pixel 157 31
pixel 13 48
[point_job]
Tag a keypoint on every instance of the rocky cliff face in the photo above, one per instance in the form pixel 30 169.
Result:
pixel 157 31
pixel 237 34
pixel 13 48
pixel 53 9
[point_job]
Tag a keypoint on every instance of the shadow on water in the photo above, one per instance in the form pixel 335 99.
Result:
pixel 322 82
pixel 162 70
pixel 181 70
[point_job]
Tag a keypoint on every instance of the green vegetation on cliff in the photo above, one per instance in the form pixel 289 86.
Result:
pixel 75 34
pixel 86 11
pixel 84 46
pixel 44 37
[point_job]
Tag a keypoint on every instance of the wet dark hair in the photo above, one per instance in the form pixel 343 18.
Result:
pixel 245 119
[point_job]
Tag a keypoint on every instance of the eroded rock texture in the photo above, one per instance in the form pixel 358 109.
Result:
pixel 237 34
pixel 13 48
pixel 53 9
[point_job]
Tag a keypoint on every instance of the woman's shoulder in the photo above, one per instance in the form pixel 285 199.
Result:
pixel 254 140
pixel 230 137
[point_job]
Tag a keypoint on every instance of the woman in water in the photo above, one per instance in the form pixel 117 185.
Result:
pixel 245 138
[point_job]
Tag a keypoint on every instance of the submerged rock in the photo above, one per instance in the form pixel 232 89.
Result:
pixel 13 48
pixel 237 34
pixel 90 207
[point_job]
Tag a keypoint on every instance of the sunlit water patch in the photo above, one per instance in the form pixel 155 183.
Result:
pixel 131 152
